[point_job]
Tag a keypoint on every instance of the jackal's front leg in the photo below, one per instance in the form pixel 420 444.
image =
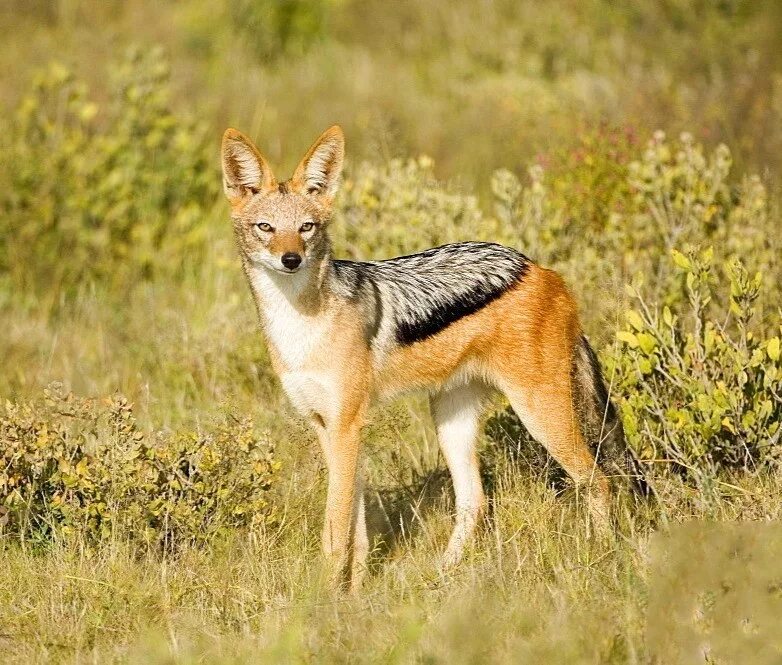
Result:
pixel 344 531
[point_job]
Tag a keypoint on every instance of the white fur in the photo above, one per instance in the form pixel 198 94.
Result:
pixel 456 413
pixel 295 337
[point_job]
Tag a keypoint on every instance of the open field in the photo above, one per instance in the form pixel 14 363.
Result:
pixel 159 499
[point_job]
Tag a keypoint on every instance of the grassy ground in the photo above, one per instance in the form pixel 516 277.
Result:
pixel 536 588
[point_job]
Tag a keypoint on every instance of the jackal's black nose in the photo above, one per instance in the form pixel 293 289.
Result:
pixel 291 260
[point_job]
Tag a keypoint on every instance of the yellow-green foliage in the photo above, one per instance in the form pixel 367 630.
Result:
pixel 81 469
pixel 572 193
pixel 612 204
pixel 113 190
pixel 699 392
pixel 400 208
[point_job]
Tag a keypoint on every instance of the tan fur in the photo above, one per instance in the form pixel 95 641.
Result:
pixel 282 243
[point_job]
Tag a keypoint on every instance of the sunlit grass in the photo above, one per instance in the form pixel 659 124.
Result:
pixel 535 586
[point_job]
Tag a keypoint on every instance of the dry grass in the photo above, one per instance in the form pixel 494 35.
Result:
pixel 537 587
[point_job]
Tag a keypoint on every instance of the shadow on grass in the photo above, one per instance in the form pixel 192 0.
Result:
pixel 397 512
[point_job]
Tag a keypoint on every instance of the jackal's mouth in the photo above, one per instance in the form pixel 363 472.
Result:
pixel 286 271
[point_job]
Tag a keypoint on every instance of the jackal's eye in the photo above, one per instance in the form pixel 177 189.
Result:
pixel 263 226
pixel 307 226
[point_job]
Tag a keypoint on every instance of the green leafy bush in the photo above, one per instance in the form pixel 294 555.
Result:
pixel 602 212
pixel 400 208
pixel 74 467
pixel 696 392
pixel 111 190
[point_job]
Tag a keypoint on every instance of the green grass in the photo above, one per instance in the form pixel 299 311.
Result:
pixel 536 587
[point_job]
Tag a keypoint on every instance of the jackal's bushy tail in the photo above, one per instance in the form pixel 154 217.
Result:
pixel 600 422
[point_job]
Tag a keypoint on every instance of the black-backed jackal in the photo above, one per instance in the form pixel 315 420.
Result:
pixel 459 321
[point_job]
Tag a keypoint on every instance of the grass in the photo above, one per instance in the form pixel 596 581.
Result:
pixel 536 587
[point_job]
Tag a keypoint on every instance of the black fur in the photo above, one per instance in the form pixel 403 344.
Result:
pixel 424 293
pixel 600 423
pixel 440 317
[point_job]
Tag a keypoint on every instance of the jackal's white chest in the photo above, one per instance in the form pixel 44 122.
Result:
pixel 296 338
pixel 309 384
pixel 301 343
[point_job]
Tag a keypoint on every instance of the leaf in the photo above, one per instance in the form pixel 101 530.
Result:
pixel 634 319
pixel 628 338
pixel 681 260
pixel 709 338
pixel 773 348
pixel 647 343
pixel 765 409
pixel 81 467
pixel 667 316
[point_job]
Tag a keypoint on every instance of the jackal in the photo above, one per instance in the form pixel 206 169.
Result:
pixel 458 321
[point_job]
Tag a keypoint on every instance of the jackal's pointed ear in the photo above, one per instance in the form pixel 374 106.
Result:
pixel 245 171
pixel 318 173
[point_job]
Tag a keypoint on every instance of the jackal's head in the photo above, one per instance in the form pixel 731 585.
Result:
pixel 281 225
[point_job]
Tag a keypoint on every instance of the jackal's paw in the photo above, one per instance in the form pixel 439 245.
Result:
pixel 358 573
pixel 450 559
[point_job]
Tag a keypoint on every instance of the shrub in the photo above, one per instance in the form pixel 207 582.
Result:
pixel 400 208
pixel 571 194
pixel 112 191
pixel 700 393
pixel 600 213
pixel 74 467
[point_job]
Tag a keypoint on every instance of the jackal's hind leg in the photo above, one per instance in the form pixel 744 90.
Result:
pixel 456 412
pixel 546 410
